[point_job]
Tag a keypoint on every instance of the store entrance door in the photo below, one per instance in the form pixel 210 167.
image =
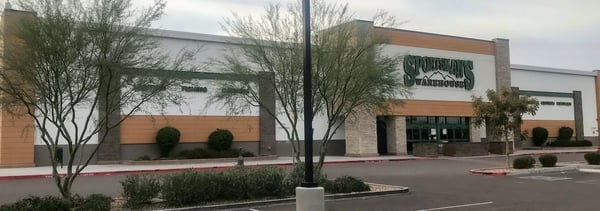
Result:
pixel 381 136
pixel 436 129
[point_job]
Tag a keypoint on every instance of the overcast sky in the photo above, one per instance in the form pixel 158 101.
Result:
pixel 547 33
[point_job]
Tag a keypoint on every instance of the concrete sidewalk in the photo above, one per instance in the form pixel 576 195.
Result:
pixel 112 169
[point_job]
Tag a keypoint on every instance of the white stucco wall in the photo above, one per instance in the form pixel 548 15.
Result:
pixel 564 81
pixel 81 114
pixel 553 112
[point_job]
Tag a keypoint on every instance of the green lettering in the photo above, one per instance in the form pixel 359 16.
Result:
pixel 410 70
pixel 469 76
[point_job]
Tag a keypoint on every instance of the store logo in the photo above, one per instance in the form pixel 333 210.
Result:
pixel 438 72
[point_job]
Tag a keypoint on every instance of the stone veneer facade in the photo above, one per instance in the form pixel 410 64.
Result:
pixel 361 134
pixel 396 135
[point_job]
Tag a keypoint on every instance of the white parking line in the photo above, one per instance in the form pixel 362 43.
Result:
pixel 590 170
pixel 254 209
pixel 458 206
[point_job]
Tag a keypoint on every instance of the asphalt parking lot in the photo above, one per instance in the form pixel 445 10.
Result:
pixel 446 185
pixel 438 184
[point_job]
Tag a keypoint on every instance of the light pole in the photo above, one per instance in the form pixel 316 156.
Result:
pixel 308 110
pixel 309 197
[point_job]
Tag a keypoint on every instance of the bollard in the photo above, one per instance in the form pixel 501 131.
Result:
pixel 58 156
pixel 240 159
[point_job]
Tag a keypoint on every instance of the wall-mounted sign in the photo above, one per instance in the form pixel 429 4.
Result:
pixel 438 72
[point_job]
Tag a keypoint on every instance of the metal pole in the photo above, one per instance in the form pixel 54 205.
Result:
pixel 308 112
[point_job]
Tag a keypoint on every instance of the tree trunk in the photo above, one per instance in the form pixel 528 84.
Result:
pixel 507 150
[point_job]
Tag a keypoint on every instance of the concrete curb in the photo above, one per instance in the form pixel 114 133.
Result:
pixel 485 173
pixel 589 170
pixel 195 161
pixel 397 190
pixel 489 171
pixel 218 167
pixel 583 167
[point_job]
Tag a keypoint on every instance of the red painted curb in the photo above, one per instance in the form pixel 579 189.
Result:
pixel 552 153
pixel 475 172
pixel 106 173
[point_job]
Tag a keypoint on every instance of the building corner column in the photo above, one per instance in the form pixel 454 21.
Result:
pixel 597 80
pixel 361 133
pixel 109 114
pixel 578 111
pixel 503 79
pixel 502 60
pixel 266 93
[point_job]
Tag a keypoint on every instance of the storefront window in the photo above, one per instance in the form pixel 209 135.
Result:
pixel 439 129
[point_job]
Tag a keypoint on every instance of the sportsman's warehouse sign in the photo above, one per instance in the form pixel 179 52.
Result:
pixel 438 72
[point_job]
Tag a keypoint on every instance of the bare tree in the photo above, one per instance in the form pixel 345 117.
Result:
pixel 503 112
pixel 73 65
pixel 349 69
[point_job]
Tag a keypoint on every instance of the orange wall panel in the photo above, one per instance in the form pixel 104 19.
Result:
pixel 141 129
pixel 551 125
pixel 435 41
pixel 432 108
pixel 16 135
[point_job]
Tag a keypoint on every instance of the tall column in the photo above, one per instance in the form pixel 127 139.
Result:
pixel 361 133
pixel 502 63
pixel 266 92
pixel 474 133
pixel 109 114
pixel 578 109
pixel 396 135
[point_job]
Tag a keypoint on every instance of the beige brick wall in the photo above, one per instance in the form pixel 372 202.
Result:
pixel 361 134
pixel 396 135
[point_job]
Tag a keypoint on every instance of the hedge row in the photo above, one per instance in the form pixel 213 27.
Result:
pixel 567 143
pixel 199 153
pixel 94 202
pixel 236 184
pixel 565 133
pixel 168 137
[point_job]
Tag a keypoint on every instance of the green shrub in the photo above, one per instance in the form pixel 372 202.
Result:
pixel 139 190
pixel 35 203
pixel 548 160
pixel 565 133
pixel 567 143
pixel 295 177
pixel 539 136
pixel 199 153
pixel 251 183
pixel 523 162
pixel 190 188
pixel 265 182
pixel 345 184
pixel 143 157
pixel 166 139
pixel 592 158
pixel 239 183
pixel 94 202
pixel 234 183
pixel 220 140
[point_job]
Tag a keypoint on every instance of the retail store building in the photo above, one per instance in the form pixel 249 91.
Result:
pixel 443 72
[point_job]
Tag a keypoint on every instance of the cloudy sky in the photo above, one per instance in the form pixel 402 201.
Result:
pixel 548 33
